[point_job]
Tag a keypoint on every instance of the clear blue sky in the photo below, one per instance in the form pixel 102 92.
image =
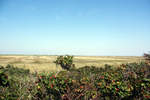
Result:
pixel 78 27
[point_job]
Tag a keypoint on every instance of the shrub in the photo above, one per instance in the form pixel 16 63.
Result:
pixel 3 78
pixel 16 83
pixel 54 86
pixel 66 62
pixel 112 86
pixel 128 82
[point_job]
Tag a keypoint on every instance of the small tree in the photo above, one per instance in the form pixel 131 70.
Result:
pixel 66 62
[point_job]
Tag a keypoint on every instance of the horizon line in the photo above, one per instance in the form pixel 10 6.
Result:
pixel 67 54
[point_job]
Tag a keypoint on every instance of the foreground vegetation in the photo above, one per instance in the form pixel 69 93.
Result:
pixel 128 81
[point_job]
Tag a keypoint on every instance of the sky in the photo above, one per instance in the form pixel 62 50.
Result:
pixel 76 27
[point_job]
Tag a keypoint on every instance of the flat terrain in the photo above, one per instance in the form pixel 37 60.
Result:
pixel 45 63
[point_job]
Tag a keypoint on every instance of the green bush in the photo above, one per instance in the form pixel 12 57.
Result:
pixel 17 83
pixel 129 81
pixel 66 62
pixel 54 86
pixel 3 78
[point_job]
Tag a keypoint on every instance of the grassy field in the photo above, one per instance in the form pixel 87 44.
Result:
pixel 45 63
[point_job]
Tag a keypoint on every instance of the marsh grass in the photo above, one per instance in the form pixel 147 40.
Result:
pixel 45 63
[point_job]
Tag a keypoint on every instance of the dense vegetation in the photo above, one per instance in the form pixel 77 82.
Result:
pixel 129 81
pixel 66 62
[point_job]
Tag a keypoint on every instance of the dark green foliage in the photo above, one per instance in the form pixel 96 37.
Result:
pixel 54 86
pixel 3 78
pixel 13 83
pixel 128 82
pixel 66 62
pixel 15 71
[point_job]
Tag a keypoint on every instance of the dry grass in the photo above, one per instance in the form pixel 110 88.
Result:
pixel 45 63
